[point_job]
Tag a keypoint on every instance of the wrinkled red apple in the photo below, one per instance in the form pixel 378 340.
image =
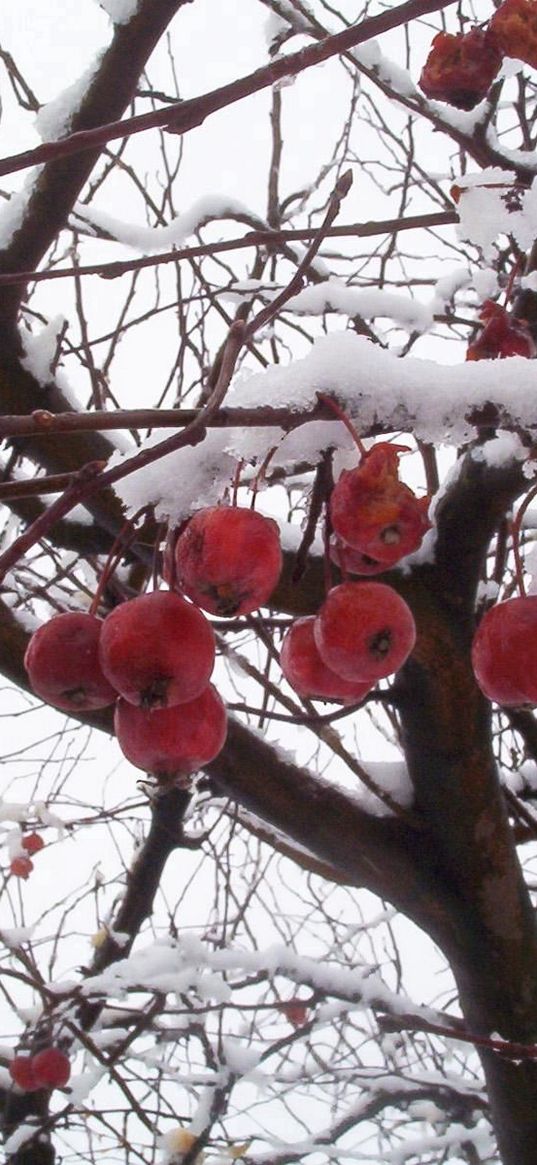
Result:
pixel 461 67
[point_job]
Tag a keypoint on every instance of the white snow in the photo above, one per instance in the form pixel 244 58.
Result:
pixel 490 206
pixel 120 11
pixel 372 384
pixel 41 348
pixel 54 119
pixel 335 295
pixel 149 239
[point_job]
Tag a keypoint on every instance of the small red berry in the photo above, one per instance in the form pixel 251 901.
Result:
pixel 63 665
pixel 306 672
pixel 157 650
pixel 21 867
pixel 21 1070
pixel 32 843
pixel 228 560
pixel 172 741
pixel 51 1068
pixel 504 652
pixel 460 68
pixel 364 631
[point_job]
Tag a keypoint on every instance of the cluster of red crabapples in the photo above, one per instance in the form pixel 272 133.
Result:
pixel 49 1068
pixel 153 655
pixel 21 864
pixel 461 67
pixel 364 631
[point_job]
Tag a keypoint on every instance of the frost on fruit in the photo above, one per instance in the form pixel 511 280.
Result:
pixel 461 67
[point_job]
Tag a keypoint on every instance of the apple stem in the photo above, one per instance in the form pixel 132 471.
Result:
pixel 516 525
pixel 121 543
pixel 332 404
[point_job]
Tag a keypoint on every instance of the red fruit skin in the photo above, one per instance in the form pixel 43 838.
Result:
pixel 352 561
pixel 375 513
pixel 157 650
pixel 502 336
pixel 21 1070
pixel 364 631
pixel 504 652
pixel 51 1068
pixel 62 662
pixel 514 26
pixel 32 843
pixel 21 867
pixel 172 741
pixel 305 671
pixel 460 68
pixel 228 560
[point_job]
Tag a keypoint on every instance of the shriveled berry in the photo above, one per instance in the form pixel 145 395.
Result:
pixel 514 26
pixel 228 560
pixel 461 67
pixel 374 512
pixel 306 672
pixel 62 661
pixel 157 650
pixel 172 741
pixel 364 631
pixel 503 335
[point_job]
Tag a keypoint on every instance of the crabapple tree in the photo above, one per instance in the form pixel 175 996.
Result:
pixel 268 622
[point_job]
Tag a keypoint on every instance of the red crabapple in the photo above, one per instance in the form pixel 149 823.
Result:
pixel 514 26
pixel 228 560
pixel 21 1070
pixel 32 843
pixel 51 1068
pixel 504 652
pixel 461 67
pixel 157 650
pixel 351 561
pixel 305 671
pixel 503 335
pixel 62 662
pixel 21 867
pixel 374 512
pixel 364 631
pixel 172 741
